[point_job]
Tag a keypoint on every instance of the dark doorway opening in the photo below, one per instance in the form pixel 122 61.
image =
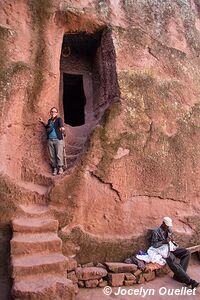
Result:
pixel 73 99
pixel 88 85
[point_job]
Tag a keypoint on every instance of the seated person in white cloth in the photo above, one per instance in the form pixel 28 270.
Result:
pixel 163 235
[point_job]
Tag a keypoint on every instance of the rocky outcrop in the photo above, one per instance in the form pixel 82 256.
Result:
pixel 137 157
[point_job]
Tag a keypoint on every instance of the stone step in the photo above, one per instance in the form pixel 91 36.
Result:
pixel 44 287
pixel 34 187
pixel 71 159
pixel 34 225
pixel 71 150
pixel 32 198
pixel 35 211
pixel 75 140
pixel 35 242
pixel 72 156
pixel 76 147
pixel 77 134
pixel 36 264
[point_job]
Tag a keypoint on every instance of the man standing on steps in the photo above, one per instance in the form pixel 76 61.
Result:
pixel 163 235
pixel 55 131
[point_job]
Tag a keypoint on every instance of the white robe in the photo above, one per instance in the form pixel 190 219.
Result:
pixel 158 255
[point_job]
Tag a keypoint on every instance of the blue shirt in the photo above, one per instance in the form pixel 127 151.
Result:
pixel 52 134
pixel 58 123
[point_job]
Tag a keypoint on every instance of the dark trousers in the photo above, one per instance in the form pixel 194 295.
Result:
pixel 179 268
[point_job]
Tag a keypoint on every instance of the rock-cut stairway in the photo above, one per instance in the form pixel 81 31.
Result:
pixel 39 269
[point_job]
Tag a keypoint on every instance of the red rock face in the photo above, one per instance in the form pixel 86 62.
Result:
pixel 142 81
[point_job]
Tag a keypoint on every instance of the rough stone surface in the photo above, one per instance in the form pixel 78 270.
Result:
pixel 99 265
pixel 152 266
pixel 149 276
pixel 91 264
pixel 140 279
pixel 39 269
pixel 76 289
pixel 72 276
pixel 116 279
pixel 44 287
pixel 130 276
pixel 194 271
pixel 91 283
pixel 81 283
pixel 129 282
pixel 90 273
pixel 72 264
pixel 162 271
pixel 145 90
pixel 137 272
pixel 103 283
pixel 121 267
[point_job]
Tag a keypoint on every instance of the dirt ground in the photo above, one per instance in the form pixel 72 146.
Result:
pixel 158 289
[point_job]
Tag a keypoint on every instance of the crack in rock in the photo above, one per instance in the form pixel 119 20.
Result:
pixel 108 183
pixel 149 132
pixel 150 52
pixel 160 197
pixel 189 225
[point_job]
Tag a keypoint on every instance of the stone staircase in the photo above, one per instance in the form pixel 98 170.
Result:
pixel 75 141
pixel 39 269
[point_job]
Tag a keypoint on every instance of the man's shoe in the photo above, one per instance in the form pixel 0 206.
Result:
pixel 55 172
pixel 60 171
pixel 194 284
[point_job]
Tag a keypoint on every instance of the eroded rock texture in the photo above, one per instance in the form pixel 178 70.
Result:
pixel 141 82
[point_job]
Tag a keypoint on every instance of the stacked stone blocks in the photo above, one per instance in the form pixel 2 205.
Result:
pixel 113 274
